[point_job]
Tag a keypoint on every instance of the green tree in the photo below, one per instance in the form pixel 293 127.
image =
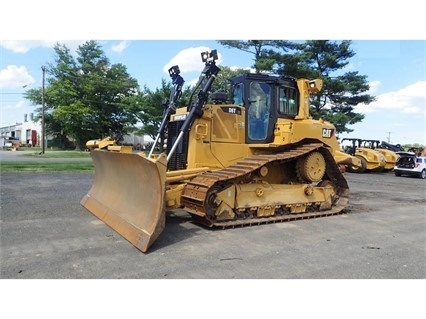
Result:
pixel 149 106
pixel 85 96
pixel 222 81
pixel 315 59
pixel 264 58
pixel 341 92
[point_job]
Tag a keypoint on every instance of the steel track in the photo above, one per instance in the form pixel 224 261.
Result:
pixel 196 192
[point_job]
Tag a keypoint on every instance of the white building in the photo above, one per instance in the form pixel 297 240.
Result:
pixel 29 132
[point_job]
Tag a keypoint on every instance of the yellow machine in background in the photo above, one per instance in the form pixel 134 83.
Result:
pixel 108 143
pixel 100 143
pixel 371 160
pixel 390 156
pixel 10 143
pixel 256 158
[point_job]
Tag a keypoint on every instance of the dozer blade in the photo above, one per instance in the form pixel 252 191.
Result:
pixel 128 195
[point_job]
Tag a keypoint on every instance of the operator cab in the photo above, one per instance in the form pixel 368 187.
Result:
pixel 265 98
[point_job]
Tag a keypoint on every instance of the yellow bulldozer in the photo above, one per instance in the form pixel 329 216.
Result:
pixel 371 160
pixel 254 157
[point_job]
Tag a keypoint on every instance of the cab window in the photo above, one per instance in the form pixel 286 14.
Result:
pixel 287 102
pixel 259 110
pixel 237 94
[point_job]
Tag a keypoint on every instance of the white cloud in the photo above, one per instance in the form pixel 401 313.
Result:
pixel 120 47
pixel 417 89
pixel 410 99
pixel 189 60
pixel 15 77
pixel 25 46
pixel 413 109
pixel 194 81
pixel 248 69
pixel 363 108
pixel 374 85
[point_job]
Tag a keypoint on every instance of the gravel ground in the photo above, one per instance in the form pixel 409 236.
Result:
pixel 47 234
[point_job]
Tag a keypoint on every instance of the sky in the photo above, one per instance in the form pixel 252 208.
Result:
pixel 391 55
pixel 395 71
pixel 390 45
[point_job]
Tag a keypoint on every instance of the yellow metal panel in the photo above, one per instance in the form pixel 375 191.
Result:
pixel 130 200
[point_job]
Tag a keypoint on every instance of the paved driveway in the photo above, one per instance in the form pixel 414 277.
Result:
pixel 47 234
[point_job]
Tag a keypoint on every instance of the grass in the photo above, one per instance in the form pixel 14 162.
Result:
pixel 49 166
pixel 39 165
pixel 56 154
pixel 7 167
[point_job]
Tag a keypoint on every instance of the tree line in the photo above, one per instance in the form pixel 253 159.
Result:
pixel 87 97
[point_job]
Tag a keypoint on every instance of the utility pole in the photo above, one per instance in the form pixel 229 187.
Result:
pixel 43 147
pixel 389 133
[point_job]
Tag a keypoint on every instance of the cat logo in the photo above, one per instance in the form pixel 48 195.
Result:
pixel 327 132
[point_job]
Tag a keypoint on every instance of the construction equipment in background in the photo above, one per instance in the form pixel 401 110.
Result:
pixel 390 156
pixel 371 160
pixel 255 157
pixel 10 143
pixel 418 151
pixel 100 143
pixel 393 147
pixel 108 143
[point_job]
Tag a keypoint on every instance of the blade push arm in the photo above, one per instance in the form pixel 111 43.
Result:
pixel 175 95
pixel 207 78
